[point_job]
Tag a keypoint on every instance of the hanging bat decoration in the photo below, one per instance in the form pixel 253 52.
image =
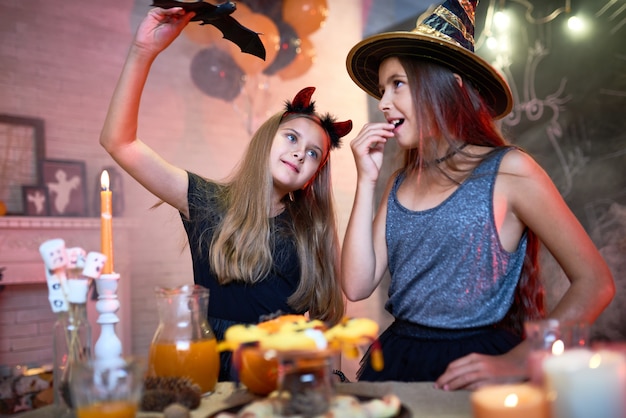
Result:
pixel 220 17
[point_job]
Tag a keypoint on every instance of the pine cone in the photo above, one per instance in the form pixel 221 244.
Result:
pixel 189 396
pixel 159 392
pixel 157 400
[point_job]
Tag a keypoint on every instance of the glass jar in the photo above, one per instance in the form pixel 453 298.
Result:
pixel 108 388
pixel 72 344
pixel 184 344
pixel 305 383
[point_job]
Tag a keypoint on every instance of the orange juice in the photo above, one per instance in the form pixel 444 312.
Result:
pixel 196 360
pixel 110 409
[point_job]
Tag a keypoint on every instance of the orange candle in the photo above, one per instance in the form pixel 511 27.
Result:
pixel 106 222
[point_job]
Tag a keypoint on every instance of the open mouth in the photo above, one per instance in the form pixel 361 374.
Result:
pixel 397 122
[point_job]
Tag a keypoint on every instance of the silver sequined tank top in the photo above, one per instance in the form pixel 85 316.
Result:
pixel 448 268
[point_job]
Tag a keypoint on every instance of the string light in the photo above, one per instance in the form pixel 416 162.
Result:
pixel 500 20
pixel 576 24
pixel 492 43
pixel 549 18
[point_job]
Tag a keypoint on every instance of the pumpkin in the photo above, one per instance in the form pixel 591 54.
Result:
pixel 257 373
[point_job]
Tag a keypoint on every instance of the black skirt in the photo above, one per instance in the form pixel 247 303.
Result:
pixel 415 353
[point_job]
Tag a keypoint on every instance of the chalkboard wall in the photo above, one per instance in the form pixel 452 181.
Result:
pixel 570 101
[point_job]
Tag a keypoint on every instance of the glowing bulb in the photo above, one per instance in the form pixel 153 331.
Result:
pixel 575 24
pixel 501 20
pixel 492 43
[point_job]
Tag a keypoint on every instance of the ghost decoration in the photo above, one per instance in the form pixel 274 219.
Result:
pixel 94 264
pixel 55 260
pixel 75 261
pixel 54 255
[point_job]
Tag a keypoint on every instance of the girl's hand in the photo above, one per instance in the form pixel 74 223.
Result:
pixel 368 148
pixel 476 370
pixel 160 27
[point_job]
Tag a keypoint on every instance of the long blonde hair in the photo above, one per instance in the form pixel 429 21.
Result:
pixel 241 246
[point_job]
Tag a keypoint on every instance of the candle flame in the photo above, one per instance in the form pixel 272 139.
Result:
pixel 511 400
pixel 104 180
pixel 595 361
pixel 558 347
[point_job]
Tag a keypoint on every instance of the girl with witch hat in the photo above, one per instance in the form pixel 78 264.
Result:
pixel 266 241
pixel 460 222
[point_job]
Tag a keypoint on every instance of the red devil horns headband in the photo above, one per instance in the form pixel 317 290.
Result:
pixel 302 104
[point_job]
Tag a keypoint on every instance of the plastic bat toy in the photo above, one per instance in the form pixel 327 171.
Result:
pixel 220 17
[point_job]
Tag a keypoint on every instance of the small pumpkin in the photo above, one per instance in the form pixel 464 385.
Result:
pixel 258 373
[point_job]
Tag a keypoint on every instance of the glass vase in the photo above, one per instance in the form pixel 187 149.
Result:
pixel 72 344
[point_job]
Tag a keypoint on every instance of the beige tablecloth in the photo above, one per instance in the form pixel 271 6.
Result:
pixel 421 399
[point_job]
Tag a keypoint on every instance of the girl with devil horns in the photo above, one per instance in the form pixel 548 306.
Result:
pixel 264 242
pixel 460 222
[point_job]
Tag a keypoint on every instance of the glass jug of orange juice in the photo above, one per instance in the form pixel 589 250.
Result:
pixel 184 344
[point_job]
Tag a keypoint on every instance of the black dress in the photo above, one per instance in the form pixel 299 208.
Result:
pixel 238 302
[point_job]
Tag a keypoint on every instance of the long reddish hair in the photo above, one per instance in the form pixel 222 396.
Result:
pixel 456 113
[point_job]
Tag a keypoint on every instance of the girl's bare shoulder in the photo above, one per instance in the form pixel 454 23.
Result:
pixel 520 164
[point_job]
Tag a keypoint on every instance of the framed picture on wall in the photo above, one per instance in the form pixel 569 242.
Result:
pixel 35 201
pixel 66 183
pixel 21 151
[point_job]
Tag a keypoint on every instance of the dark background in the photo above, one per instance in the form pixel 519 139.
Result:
pixel 570 94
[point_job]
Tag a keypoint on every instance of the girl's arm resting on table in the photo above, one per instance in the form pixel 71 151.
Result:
pixel 119 133
pixel 476 370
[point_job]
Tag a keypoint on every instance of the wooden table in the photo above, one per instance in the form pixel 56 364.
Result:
pixel 420 398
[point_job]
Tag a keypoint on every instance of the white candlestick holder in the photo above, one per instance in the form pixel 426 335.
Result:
pixel 108 346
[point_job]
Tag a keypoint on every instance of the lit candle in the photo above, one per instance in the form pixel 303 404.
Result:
pixel 509 401
pixel 585 383
pixel 550 337
pixel 537 357
pixel 106 222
